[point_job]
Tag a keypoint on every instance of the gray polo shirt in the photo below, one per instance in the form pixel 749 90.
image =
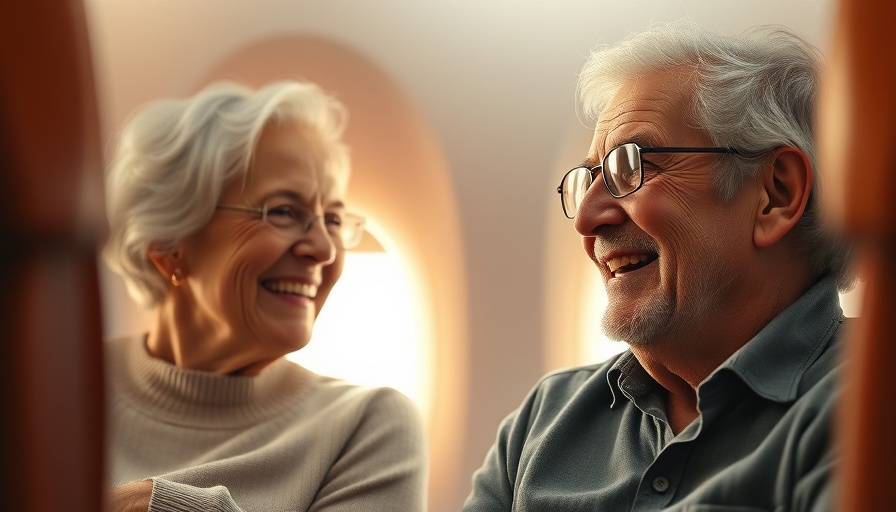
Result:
pixel 596 437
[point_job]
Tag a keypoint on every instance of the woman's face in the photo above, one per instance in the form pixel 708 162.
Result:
pixel 252 291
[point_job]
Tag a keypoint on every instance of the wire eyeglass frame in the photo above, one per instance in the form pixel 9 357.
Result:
pixel 578 180
pixel 350 231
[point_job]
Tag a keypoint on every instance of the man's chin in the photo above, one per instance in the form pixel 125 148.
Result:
pixel 638 326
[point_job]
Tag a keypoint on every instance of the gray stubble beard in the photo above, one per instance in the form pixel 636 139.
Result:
pixel 656 319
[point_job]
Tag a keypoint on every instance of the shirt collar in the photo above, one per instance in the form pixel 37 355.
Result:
pixel 773 363
pixel 628 378
pixel 771 367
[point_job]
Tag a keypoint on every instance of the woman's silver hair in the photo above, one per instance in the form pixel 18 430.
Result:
pixel 754 93
pixel 174 158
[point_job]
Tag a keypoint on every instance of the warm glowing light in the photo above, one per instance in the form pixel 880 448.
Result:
pixel 368 332
pixel 595 346
pixel 851 301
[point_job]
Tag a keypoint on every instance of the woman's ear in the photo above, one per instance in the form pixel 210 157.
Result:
pixel 166 261
pixel 784 192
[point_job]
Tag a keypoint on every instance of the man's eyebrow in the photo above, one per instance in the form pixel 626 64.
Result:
pixel 589 163
pixel 642 138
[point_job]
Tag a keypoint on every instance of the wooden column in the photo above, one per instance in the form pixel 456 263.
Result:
pixel 51 386
pixel 857 143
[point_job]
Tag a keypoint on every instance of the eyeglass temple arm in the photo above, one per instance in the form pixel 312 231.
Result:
pixel 733 151
pixel 239 208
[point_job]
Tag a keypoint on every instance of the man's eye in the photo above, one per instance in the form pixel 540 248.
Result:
pixel 647 165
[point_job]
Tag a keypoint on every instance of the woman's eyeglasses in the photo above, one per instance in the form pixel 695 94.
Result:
pixel 293 222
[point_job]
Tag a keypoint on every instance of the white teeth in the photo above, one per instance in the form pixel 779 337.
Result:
pixel 616 263
pixel 307 290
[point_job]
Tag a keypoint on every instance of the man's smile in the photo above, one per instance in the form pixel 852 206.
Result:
pixel 627 263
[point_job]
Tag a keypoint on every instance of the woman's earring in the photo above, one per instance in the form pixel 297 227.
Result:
pixel 176 278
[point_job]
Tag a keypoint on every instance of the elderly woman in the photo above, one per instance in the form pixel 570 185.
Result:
pixel 227 217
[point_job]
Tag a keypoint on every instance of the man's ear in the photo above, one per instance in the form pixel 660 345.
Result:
pixel 783 195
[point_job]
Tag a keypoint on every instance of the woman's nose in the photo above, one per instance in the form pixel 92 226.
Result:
pixel 317 243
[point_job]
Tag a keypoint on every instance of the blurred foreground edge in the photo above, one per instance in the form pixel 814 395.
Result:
pixel 857 139
pixel 50 210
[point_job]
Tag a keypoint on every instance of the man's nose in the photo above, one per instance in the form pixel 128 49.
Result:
pixel 598 209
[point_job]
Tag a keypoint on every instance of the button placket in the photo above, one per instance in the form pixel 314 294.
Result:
pixel 660 484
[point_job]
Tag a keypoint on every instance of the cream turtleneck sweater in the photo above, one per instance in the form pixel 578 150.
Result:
pixel 285 440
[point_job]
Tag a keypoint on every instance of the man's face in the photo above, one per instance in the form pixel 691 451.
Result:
pixel 670 252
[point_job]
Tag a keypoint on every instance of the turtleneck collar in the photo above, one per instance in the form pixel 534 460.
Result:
pixel 199 398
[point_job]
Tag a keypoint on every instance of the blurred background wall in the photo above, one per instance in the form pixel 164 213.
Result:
pixel 462 122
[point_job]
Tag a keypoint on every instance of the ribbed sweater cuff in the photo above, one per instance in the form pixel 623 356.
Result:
pixel 168 496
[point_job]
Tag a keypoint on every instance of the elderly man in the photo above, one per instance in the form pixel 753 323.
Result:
pixel 697 204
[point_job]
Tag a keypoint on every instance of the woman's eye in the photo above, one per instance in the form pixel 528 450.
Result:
pixel 282 211
pixel 333 220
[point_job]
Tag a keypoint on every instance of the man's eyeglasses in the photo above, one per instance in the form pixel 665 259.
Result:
pixel 623 172
pixel 292 221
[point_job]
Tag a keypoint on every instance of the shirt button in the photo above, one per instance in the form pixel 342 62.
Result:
pixel 660 484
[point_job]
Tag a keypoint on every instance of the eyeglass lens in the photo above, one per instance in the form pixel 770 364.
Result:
pixel 621 171
pixel 292 221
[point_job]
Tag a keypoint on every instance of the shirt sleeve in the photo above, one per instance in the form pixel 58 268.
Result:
pixel 493 483
pixel 816 456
